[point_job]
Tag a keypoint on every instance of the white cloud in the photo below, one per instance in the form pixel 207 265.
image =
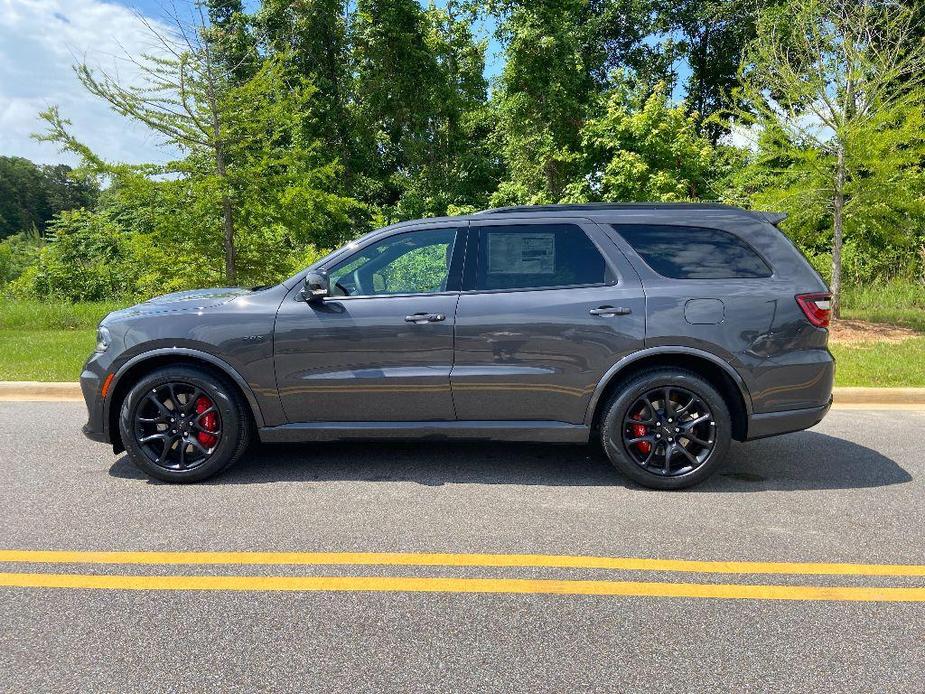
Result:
pixel 39 42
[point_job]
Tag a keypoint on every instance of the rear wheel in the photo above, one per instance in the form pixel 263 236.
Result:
pixel 183 424
pixel 666 429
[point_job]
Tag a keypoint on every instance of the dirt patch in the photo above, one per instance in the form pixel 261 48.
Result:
pixel 858 331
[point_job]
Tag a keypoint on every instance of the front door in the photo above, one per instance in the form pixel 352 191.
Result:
pixel 547 308
pixel 381 347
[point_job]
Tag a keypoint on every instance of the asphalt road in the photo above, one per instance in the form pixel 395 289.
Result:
pixel 851 490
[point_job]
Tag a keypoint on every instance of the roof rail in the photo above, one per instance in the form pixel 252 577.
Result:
pixel 604 206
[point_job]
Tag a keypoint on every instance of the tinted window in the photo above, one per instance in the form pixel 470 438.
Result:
pixel 538 255
pixel 693 253
pixel 417 262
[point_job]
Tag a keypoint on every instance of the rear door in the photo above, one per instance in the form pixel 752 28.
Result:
pixel 547 307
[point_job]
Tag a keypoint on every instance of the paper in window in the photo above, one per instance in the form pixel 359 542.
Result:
pixel 522 254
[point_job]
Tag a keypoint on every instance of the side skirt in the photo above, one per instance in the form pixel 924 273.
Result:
pixel 529 431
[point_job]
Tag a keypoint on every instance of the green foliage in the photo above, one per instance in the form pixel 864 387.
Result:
pixel 84 260
pixel 419 106
pixel 542 98
pixel 17 253
pixel 839 86
pixel 643 148
pixel 884 209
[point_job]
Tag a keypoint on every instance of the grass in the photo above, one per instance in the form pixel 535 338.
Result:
pixel 42 341
pixel 42 315
pixel 880 364
pixel 894 303
pixel 44 355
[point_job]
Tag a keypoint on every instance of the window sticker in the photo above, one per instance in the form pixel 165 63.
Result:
pixel 521 254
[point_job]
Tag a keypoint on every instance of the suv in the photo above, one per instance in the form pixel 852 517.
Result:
pixel 663 330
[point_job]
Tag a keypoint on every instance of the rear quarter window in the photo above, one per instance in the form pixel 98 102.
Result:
pixel 693 253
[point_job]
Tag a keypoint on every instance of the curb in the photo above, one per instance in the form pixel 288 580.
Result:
pixel 40 391
pixel 910 398
pixel 848 397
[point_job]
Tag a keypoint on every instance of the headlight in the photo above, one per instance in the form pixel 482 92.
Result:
pixel 103 339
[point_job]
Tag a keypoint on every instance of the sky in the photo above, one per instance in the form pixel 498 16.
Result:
pixel 39 42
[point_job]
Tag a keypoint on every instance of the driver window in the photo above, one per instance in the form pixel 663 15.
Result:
pixel 416 262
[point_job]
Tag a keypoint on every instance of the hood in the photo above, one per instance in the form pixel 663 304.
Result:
pixel 198 298
pixel 190 300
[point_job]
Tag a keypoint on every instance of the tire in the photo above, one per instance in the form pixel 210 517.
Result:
pixel 212 425
pixel 628 418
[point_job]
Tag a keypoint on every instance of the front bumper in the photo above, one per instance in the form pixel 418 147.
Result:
pixel 98 436
pixel 773 423
pixel 91 381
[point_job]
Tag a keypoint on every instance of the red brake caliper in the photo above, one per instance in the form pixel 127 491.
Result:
pixel 641 430
pixel 208 422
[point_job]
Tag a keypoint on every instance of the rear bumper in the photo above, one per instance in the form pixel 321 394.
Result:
pixel 774 423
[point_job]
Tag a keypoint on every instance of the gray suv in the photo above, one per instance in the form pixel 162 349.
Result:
pixel 662 330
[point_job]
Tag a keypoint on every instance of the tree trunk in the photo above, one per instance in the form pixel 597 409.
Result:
pixel 231 274
pixel 228 221
pixel 838 235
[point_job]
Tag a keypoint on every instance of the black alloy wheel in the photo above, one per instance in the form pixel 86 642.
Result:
pixel 669 431
pixel 184 424
pixel 177 426
pixel 666 428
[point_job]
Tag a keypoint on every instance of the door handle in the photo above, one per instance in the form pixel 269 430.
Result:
pixel 610 311
pixel 420 318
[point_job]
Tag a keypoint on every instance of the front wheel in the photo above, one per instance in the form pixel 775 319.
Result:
pixel 666 429
pixel 183 424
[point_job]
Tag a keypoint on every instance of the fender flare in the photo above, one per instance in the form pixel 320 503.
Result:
pixel 218 363
pixel 630 359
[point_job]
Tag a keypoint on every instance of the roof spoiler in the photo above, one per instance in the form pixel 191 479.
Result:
pixel 774 218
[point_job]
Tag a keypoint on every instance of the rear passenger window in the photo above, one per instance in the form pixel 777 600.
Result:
pixel 693 253
pixel 533 256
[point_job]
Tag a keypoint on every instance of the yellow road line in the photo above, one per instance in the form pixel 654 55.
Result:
pixel 462 585
pixel 472 560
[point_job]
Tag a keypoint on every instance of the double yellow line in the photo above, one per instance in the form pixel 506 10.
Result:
pixel 461 585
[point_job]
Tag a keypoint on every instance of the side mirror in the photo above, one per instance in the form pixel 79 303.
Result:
pixel 315 286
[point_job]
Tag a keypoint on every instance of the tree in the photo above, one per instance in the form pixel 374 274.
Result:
pixel 245 142
pixel 31 195
pixel 542 97
pixel 228 31
pixel 22 196
pixel 713 35
pixel 643 148
pixel 884 210
pixel 181 97
pixel 312 36
pixel 828 75
pixel 419 109
pixel 458 169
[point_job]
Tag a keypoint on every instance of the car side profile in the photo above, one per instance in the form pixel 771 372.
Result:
pixel 662 330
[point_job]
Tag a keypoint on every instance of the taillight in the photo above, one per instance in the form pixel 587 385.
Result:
pixel 817 307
